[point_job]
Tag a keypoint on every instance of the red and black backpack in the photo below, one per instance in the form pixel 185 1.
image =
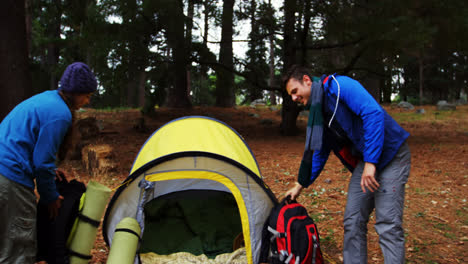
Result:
pixel 290 236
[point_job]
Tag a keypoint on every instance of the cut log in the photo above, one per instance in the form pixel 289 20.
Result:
pixel 97 159
pixel 85 130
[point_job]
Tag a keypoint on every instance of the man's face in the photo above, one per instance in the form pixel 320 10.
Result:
pixel 82 99
pixel 299 90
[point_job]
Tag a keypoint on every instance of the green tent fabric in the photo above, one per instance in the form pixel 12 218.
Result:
pixel 196 221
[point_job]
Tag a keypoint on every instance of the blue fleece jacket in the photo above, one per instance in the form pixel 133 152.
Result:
pixel 30 136
pixel 373 133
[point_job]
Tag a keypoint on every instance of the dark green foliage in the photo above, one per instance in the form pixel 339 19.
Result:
pixel 148 52
pixel 397 36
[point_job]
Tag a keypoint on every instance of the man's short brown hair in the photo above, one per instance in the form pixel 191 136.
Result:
pixel 296 71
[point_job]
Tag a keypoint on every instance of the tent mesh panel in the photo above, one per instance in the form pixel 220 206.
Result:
pixel 194 221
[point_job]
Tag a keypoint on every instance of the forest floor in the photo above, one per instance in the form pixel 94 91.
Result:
pixel 436 209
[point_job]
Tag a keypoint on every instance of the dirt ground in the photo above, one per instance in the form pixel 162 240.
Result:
pixel 436 209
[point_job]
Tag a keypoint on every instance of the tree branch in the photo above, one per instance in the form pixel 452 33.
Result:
pixel 215 65
pixel 332 46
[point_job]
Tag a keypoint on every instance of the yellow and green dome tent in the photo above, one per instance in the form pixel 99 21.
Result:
pixel 194 187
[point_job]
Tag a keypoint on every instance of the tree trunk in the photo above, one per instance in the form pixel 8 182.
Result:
pixel 225 96
pixel 290 110
pixel 289 43
pixel 130 18
pixel 188 38
pixel 421 79
pixel 189 26
pixel 172 14
pixel 53 50
pixel 15 77
pixel 255 56
pixel 178 95
pixel 387 86
pixel 271 80
pixel 28 19
pixel 202 83
pixel 405 86
pixel 132 84
pixel 136 81
pixel 305 31
pixel 372 85
pixel 289 114
pixel 376 89
pixel 206 23
pixel 387 90
pixel 141 88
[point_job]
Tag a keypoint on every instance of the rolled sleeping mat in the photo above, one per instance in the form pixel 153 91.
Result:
pixel 95 201
pixel 125 242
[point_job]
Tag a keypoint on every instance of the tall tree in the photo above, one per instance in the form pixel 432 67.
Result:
pixel 271 64
pixel 137 35
pixel 14 65
pixel 130 20
pixel 203 86
pixel 304 35
pixel 172 17
pixel 225 94
pixel 189 40
pixel 270 24
pixel 256 68
pixel 290 109
pixel 52 25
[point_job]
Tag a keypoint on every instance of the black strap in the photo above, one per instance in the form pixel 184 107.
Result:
pixel 128 231
pixel 88 220
pixel 79 255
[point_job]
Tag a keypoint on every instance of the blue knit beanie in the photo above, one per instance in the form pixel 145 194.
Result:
pixel 78 78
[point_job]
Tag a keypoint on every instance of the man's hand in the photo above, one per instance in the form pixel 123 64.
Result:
pixel 368 178
pixel 294 191
pixel 54 207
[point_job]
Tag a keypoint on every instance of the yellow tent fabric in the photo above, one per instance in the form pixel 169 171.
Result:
pixel 199 134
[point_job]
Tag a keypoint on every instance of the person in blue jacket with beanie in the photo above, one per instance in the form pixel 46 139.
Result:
pixel 32 136
pixel 346 119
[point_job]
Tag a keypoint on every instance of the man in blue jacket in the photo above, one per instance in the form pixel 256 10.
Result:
pixel 31 136
pixel 346 119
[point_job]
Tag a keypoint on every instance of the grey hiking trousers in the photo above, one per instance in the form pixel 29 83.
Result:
pixel 18 223
pixel 388 202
